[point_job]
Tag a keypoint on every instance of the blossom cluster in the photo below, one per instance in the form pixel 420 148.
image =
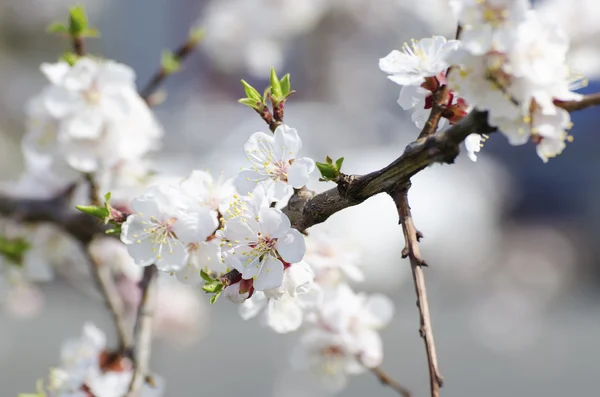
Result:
pixel 87 368
pixel 88 119
pixel 507 61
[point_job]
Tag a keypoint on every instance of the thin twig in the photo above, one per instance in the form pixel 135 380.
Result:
pixel 78 46
pixel 94 193
pixel 143 332
pixel 586 102
pixel 440 102
pixel 159 77
pixel 107 287
pixel 385 379
pixel 411 250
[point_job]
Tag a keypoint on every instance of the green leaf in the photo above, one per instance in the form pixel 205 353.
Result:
pixel 94 210
pixel 205 276
pixel 107 197
pixel 213 287
pixel 251 91
pixel 70 58
pixel 196 34
pixel 338 163
pixel 115 231
pixel 329 160
pixel 285 85
pixel 328 171
pixel 13 249
pixel 254 104
pixel 90 32
pixel 57 27
pixel 275 85
pixel 214 298
pixel 78 21
pixel 265 94
pixel 169 62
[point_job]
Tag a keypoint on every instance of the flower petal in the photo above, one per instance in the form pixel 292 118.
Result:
pixel 172 256
pixel 55 72
pixel 251 307
pixel 144 252
pixel 283 315
pixel 273 223
pixel 287 143
pixel 291 247
pixel 299 172
pixel 246 181
pixel 270 274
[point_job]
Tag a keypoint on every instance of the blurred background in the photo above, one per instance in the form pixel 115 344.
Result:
pixel 514 276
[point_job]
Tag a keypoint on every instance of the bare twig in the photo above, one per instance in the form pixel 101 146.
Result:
pixel 440 101
pixel 94 193
pixel 386 380
pixel 411 250
pixel 586 102
pixel 78 45
pixel 159 77
pixel 107 287
pixel 143 332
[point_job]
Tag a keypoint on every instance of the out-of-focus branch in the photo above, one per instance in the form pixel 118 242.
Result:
pixel 106 284
pixel 411 250
pixel 143 331
pixel 388 381
pixel 160 76
pixel 586 102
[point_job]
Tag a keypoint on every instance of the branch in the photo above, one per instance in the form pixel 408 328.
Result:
pixel 386 380
pixel 440 100
pixel 160 76
pixel 586 102
pixel 411 250
pixel 57 210
pixel 143 332
pixel 106 284
pixel 443 147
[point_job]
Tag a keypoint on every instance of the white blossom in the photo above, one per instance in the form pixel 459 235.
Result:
pixel 427 57
pixel 257 246
pixel 343 339
pixel 284 306
pixel 488 25
pixel 275 163
pixel 473 145
pixel 216 195
pixel 164 223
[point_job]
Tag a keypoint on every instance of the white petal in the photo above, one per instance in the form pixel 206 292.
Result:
pixel 283 315
pixel 370 348
pixel 86 124
pixel 189 274
pixel 273 222
pixel 279 191
pixel 287 143
pixel 133 229
pixel 393 62
pixel 246 181
pixel 61 102
pixel 197 226
pixel 251 307
pixel 241 229
pixel 81 75
pixel 412 96
pixel 143 252
pixel 379 311
pixel 299 172
pixel 291 247
pixel 270 275
pixel 55 72
pixel 259 147
pixel 118 74
pixel 172 257
pixel 197 184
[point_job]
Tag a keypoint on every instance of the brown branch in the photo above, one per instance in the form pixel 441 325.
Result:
pixel 411 250
pixel 160 76
pixel 386 380
pixel 440 101
pixel 106 284
pixel 143 331
pixel 587 101
pixel 78 46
